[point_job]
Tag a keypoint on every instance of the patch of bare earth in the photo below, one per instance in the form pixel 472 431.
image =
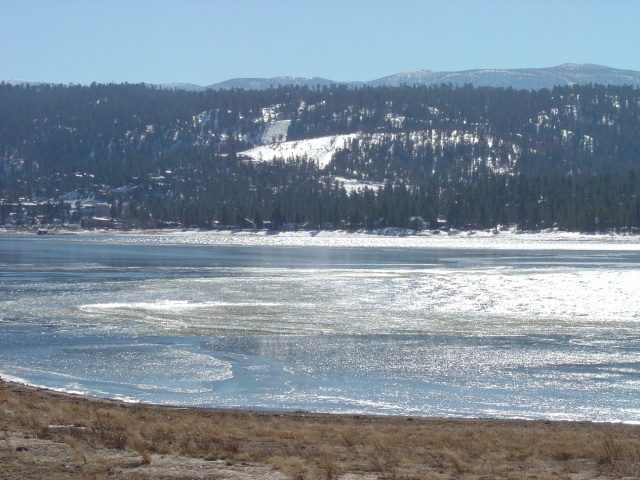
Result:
pixel 28 457
pixel 49 435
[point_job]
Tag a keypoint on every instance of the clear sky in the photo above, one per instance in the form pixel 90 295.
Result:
pixel 208 41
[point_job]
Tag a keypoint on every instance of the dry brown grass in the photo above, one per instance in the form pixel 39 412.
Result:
pixel 311 446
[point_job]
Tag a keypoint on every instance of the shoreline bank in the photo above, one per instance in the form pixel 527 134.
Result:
pixel 86 437
pixel 385 232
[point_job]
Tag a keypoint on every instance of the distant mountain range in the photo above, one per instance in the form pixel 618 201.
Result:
pixel 519 78
pixel 522 78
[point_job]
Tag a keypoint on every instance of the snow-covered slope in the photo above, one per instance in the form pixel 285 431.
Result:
pixel 319 150
pixel 499 155
pixel 275 132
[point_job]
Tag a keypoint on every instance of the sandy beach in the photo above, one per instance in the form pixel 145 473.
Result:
pixel 47 434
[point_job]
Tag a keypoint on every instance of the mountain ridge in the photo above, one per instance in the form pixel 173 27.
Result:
pixel 518 78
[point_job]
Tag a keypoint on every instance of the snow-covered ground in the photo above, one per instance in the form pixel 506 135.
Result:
pixel 351 185
pixel 319 150
pixel 275 132
pixel 387 237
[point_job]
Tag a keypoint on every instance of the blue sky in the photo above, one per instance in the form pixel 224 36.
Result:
pixel 208 41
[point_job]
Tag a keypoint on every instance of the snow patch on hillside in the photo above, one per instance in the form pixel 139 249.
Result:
pixel 202 119
pixel 499 157
pixel 274 132
pixel 351 185
pixel 319 150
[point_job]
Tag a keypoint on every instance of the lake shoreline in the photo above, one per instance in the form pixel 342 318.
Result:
pixel 26 389
pixel 81 433
pixel 382 232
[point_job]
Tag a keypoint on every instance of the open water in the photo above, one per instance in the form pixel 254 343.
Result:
pixel 508 326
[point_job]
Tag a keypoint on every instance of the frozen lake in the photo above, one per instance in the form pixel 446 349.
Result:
pixel 509 326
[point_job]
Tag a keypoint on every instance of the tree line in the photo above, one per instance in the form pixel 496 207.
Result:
pixel 564 158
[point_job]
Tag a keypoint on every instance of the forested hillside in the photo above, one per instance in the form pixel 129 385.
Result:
pixel 332 157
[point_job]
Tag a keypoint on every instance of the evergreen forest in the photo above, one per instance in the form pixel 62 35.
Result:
pixel 412 157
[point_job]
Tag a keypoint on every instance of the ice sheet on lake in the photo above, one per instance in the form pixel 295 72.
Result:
pixel 513 326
